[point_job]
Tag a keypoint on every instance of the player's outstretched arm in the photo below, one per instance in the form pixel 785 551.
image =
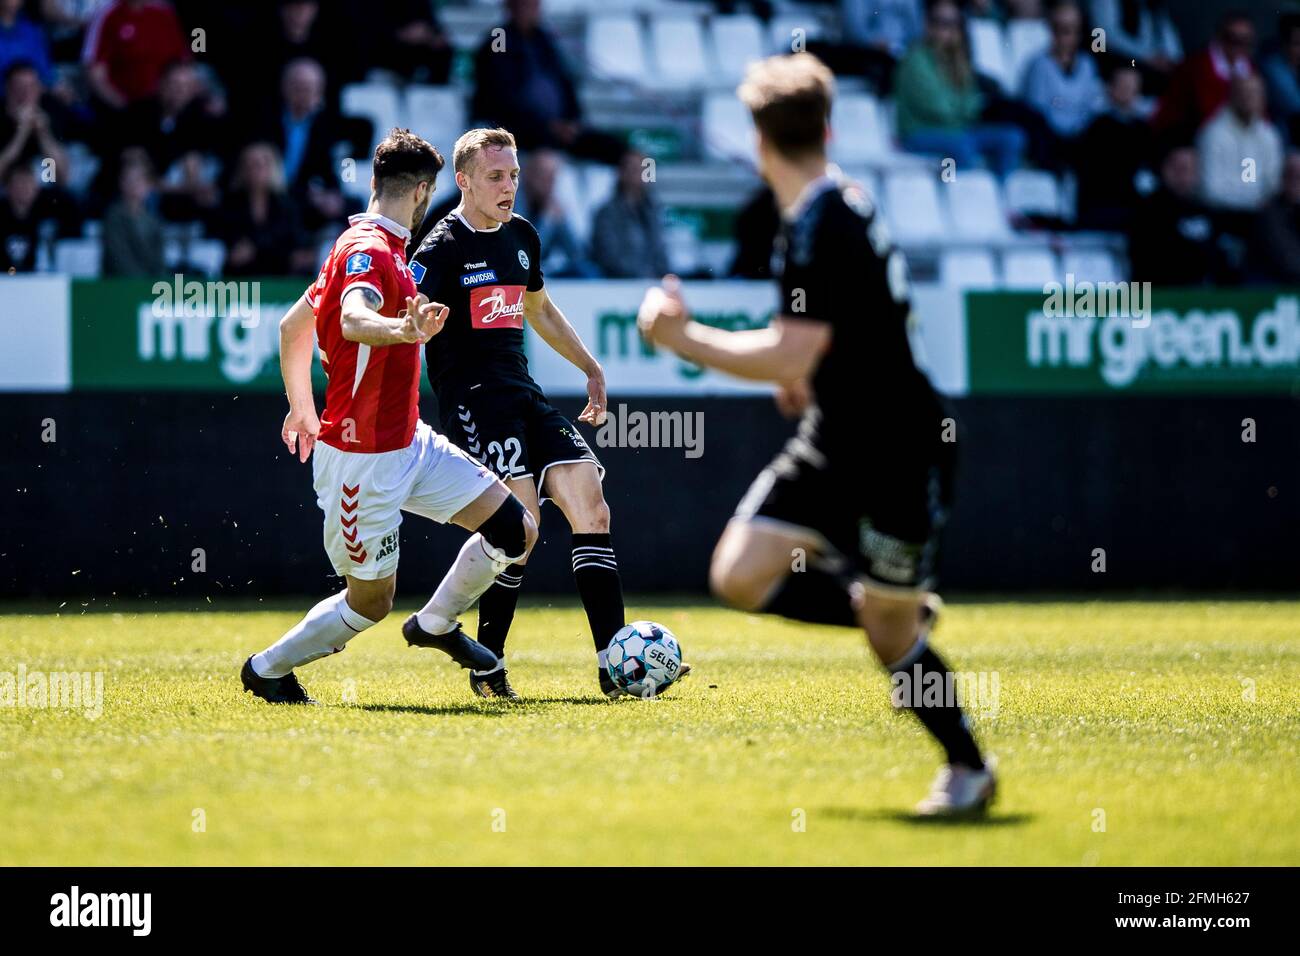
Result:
pixel 545 316
pixel 785 351
pixel 297 338
pixel 362 322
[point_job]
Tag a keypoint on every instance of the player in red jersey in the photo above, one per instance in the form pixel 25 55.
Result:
pixel 375 458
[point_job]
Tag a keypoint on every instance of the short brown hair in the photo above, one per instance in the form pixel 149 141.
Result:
pixel 404 159
pixel 476 140
pixel 790 100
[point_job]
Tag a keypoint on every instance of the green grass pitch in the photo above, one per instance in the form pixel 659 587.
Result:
pixel 1128 733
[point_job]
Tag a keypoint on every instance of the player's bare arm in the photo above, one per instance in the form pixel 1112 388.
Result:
pixel 362 322
pixel 784 352
pixel 297 341
pixel 549 322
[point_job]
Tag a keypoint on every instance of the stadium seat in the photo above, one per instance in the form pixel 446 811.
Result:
pixel 614 48
pixel 1032 192
pixel 437 113
pixel 1092 265
pixel 678 41
pixel 781 31
pixel 975 206
pixel 356 184
pixel 912 203
pixel 859 133
pixel 1025 40
pixel 79 258
pixel 988 53
pixel 968 270
pixel 597 186
pixel 1029 268
pixel 207 255
pixel 737 42
pixel 727 130
pixel 377 102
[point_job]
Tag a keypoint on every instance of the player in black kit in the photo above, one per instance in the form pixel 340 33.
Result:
pixel 857 498
pixel 484 263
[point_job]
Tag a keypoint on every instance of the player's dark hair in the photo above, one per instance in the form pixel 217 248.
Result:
pixel 404 159
pixel 790 100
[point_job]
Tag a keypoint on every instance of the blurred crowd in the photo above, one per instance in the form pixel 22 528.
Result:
pixel 224 119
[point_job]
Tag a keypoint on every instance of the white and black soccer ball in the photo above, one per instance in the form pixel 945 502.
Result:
pixel 644 658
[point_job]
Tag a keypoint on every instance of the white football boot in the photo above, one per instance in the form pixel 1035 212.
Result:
pixel 959 791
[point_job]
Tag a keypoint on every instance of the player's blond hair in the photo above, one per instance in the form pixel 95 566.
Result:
pixel 474 142
pixel 789 98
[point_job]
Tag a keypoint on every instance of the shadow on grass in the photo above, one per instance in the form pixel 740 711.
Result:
pixel 482 708
pixel 864 815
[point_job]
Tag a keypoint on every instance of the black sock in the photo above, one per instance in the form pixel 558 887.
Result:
pixel 921 683
pixel 815 596
pixel 496 609
pixel 599 586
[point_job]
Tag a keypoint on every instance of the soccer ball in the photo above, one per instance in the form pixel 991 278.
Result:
pixel 644 658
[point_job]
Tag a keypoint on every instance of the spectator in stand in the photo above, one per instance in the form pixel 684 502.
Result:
pixel 1140 32
pixel 1062 82
pixel 1199 87
pixel 260 220
pixel 1241 151
pixel 1277 239
pixel 939 101
pixel 1115 154
pixel 1281 70
pixel 875 35
pixel 128 45
pixel 133 236
pixel 185 117
pixel 627 238
pixel 305 132
pixel 521 83
pixel 22 41
pixel 24 210
pixel 1174 241
pixel 30 124
pixel 410 42
pixel 536 201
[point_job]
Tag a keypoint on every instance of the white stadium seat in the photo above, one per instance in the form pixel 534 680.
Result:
pixel 858 132
pixel 377 102
pixel 1092 265
pixel 614 48
pixel 988 53
pixel 737 42
pixel 728 131
pixel 975 205
pixel 678 41
pixel 1033 192
pixel 437 113
pixel 785 30
pixel 79 258
pixel 1025 40
pixel 968 270
pixel 1029 268
pixel 208 255
pixel 911 201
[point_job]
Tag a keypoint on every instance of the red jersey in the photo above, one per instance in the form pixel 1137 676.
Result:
pixel 372 401
pixel 135 43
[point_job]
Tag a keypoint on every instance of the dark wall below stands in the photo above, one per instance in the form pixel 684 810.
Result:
pixel 1167 487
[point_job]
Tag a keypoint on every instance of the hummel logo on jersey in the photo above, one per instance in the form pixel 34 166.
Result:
pixel 476 265
pixel 358 263
pixel 478 278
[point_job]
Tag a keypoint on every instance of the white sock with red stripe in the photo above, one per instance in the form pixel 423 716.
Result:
pixel 473 572
pixel 325 630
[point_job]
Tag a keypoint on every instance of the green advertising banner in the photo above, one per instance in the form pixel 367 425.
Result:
pixel 1119 338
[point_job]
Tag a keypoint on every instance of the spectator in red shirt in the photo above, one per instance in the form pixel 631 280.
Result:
pixel 128 45
pixel 1199 88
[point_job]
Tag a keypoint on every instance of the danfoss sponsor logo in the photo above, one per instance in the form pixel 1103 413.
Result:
pixel 502 306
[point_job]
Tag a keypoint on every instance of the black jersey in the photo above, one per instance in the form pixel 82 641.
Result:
pixel 837 265
pixel 481 276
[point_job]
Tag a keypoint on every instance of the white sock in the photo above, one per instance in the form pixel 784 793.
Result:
pixel 501 662
pixel 472 573
pixel 326 628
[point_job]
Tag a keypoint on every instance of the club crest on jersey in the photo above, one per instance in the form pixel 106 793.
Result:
pixel 357 263
pixel 523 258
pixel 478 278
pixel 417 272
pixel 497 307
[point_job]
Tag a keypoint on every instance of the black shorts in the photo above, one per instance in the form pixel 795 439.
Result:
pixel 881 519
pixel 512 430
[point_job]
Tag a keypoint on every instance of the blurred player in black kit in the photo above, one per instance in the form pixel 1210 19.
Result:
pixel 864 487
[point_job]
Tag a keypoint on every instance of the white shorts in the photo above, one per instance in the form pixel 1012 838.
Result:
pixel 363 497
